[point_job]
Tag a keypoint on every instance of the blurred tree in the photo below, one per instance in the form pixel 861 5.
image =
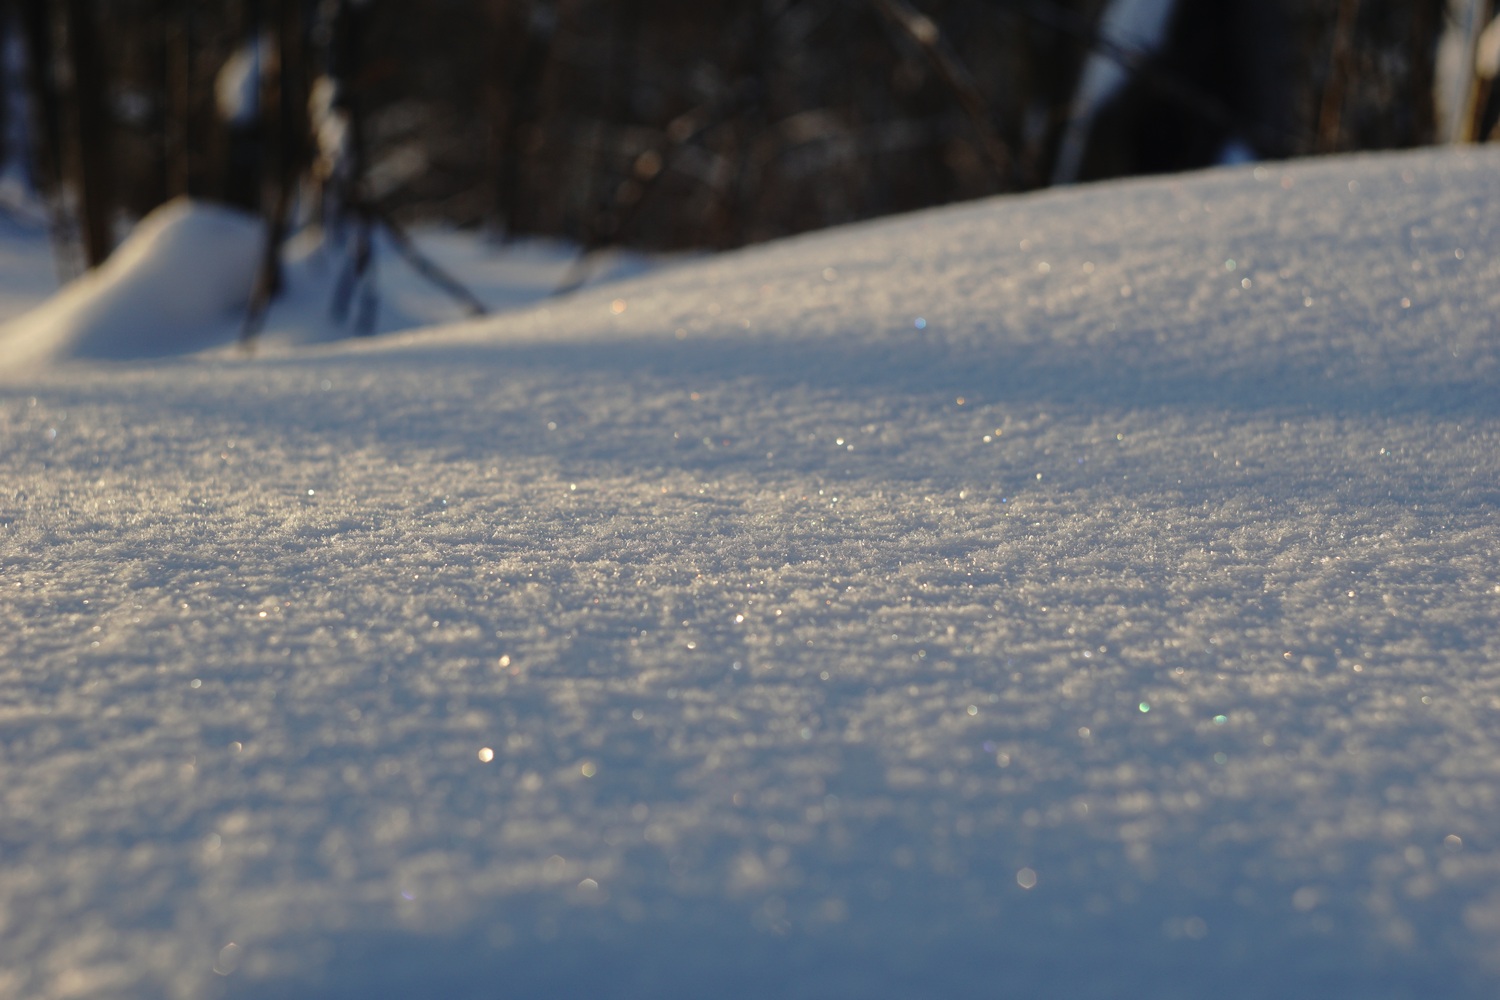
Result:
pixel 92 128
pixel 7 60
pixel 694 123
pixel 1210 88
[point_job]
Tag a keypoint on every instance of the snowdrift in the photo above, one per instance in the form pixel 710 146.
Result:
pixel 1091 594
pixel 181 281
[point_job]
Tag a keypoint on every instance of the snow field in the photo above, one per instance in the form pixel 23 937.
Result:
pixel 1089 594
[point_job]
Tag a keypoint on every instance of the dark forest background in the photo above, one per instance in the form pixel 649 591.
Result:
pixel 680 123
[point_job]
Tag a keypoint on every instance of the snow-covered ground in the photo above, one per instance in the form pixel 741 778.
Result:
pixel 1090 594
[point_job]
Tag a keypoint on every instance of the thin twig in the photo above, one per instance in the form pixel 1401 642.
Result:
pixel 427 267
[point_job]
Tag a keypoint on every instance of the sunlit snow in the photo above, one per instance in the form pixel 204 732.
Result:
pixel 1089 594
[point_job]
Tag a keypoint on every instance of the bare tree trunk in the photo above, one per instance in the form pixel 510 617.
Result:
pixel 7 22
pixel 501 105
pixel 46 134
pixel 177 89
pixel 245 158
pixel 92 130
pixel 751 122
pixel 515 96
pixel 602 222
pixel 36 22
pixel 285 127
pixel 345 63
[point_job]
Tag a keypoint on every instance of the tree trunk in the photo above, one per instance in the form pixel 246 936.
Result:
pixel 91 127
pixel 177 93
pixel 284 105
pixel 92 132
pixel 515 88
pixel 36 22
pixel 6 22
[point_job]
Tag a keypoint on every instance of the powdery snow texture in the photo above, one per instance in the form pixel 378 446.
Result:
pixel 1092 594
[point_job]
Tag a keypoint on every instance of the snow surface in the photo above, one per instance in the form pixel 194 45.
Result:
pixel 1089 594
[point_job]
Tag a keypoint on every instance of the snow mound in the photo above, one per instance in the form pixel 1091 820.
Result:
pixel 180 282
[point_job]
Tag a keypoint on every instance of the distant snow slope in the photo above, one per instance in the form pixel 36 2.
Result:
pixel 180 283
pixel 1094 594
